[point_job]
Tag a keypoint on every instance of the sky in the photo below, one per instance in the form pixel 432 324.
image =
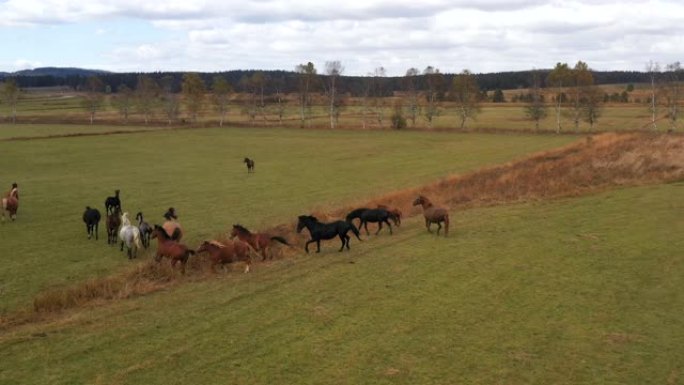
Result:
pixel 214 35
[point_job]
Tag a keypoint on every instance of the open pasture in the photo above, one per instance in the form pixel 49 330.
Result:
pixel 200 173
pixel 575 291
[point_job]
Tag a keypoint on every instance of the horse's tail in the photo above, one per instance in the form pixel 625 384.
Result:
pixel 136 239
pixel 446 224
pixel 355 231
pixel 280 239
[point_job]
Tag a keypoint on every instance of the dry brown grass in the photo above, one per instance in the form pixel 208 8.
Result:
pixel 587 166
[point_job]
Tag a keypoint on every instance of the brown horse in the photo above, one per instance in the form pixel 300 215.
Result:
pixel 167 247
pixel 259 241
pixel 233 251
pixel 113 222
pixel 10 203
pixel 433 214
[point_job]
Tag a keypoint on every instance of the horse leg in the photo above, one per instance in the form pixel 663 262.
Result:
pixel 389 225
pixel 365 226
pixel 306 246
pixel 318 245
pixel 379 228
pixel 343 238
pixel 348 239
pixel 427 224
pixel 439 227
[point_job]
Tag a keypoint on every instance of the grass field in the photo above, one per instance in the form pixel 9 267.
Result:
pixel 580 291
pixel 200 173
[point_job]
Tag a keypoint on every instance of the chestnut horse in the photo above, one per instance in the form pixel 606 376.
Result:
pixel 113 221
pixel 223 253
pixel 433 214
pixel 167 247
pixel 11 203
pixel 259 241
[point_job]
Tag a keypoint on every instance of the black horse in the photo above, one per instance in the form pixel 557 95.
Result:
pixel 378 216
pixel 170 214
pixel 354 214
pixel 145 229
pixel 112 202
pixel 320 231
pixel 91 217
pixel 250 165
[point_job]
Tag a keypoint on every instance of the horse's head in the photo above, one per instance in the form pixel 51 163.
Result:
pixel 203 247
pixel 237 230
pixel 125 220
pixel 420 200
pixel 395 216
pixel 116 193
pixel 159 232
pixel 305 220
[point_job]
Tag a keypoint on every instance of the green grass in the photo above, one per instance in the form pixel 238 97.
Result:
pixel 580 291
pixel 200 173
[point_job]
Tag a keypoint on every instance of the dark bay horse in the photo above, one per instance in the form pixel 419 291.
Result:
pixel 91 217
pixel 356 214
pixel 395 214
pixel 145 229
pixel 112 202
pixel 229 252
pixel 113 222
pixel 259 241
pixel 10 203
pixel 167 247
pixel 250 165
pixel 433 214
pixel 378 216
pixel 321 231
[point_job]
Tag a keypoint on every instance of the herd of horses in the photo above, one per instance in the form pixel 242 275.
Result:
pixel 242 243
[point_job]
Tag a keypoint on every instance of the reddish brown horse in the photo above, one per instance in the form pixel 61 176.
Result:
pixel 229 252
pixel 167 247
pixel 433 214
pixel 10 203
pixel 259 241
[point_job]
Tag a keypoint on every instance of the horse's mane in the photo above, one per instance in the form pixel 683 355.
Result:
pixel 310 217
pixel 241 229
pixel 161 231
pixel 216 243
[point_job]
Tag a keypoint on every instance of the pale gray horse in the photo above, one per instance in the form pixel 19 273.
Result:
pixel 130 235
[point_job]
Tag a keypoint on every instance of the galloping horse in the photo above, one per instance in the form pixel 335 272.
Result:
pixel 331 230
pixel 250 165
pixel 10 203
pixel 233 251
pixel 171 226
pixel 258 241
pixel 433 214
pixel 112 203
pixel 113 222
pixel 91 217
pixel 145 229
pixel 378 216
pixel 130 235
pixel 167 247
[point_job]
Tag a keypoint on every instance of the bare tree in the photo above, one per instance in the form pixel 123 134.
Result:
pixel 466 93
pixel 221 96
pixel 147 94
pixel 411 87
pixel 94 96
pixel 378 95
pixel 535 109
pixel 278 85
pixel 307 77
pixel 434 82
pixel 124 101
pixel 169 99
pixel 250 88
pixel 193 94
pixel 333 70
pixel 653 68
pixel 558 78
pixel 10 95
pixel 672 92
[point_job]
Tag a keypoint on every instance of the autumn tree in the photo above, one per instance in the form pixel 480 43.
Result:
pixel 221 96
pixel 581 79
pixel 591 105
pixel 123 101
pixel 434 82
pixel 306 83
pixel 94 96
pixel 10 95
pixel 558 78
pixel 193 90
pixel 466 94
pixel 146 96
pixel 333 70
pixel 535 109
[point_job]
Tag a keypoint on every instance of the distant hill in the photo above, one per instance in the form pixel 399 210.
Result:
pixel 59 72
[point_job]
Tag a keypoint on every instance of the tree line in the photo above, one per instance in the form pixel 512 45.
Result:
pixel 419 95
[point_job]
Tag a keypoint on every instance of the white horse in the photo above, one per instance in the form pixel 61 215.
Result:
pixel 130 235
